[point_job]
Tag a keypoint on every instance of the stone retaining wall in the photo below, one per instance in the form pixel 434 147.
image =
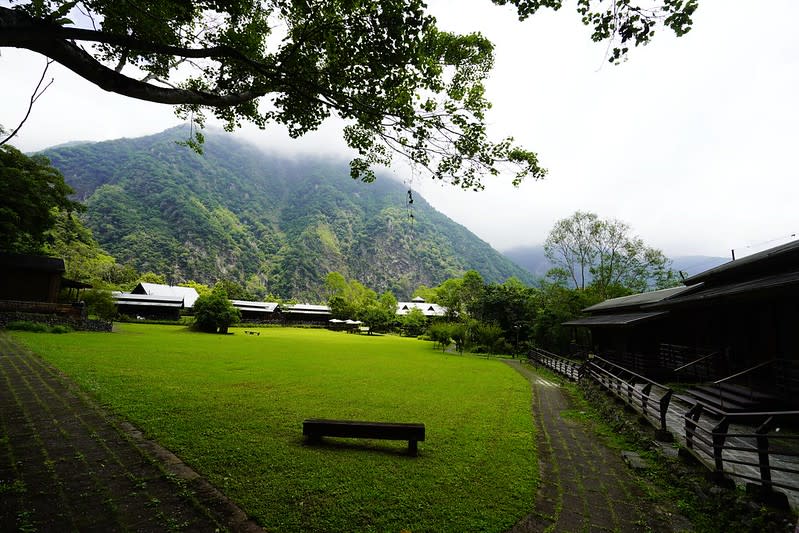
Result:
pixel 77 323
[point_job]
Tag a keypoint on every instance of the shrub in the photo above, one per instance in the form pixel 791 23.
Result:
pixel 414 323
pixel 27 325
pixel 100 303
pixel 61 329
pixel 214 313
pixel 489 337
pixel 441 334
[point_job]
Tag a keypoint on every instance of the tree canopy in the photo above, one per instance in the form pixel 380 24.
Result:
pixel 603 253
pixel 402 85
pixel 31 194
pixel 214 313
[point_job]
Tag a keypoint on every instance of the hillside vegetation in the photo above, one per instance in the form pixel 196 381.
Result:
pixel 272 223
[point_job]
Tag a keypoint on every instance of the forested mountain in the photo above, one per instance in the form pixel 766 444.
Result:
pixel 270 222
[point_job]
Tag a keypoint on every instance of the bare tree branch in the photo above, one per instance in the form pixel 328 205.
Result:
pixel 37 92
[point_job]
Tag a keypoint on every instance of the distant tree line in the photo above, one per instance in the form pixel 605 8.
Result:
pixel 594 259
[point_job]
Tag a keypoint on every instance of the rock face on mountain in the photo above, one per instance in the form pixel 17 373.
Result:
pixel 267 221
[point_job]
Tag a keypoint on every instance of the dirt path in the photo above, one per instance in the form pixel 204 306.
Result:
pixel 585 486
pixel 66 466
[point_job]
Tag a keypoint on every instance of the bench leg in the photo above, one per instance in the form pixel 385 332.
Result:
pixel 412 447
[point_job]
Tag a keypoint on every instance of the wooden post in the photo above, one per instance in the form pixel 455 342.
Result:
pixel 762 452
pixel 664 408
pixel 645 397
pixel 692 416
pixel 719 436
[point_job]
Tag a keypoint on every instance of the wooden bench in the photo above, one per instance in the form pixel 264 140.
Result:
pixel 314 429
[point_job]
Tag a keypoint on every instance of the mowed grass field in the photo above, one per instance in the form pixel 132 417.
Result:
pixel 232 408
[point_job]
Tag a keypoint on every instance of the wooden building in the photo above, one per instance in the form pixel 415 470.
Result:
pixel 30 278
pixel 32 287
pixel 148 307
pixel 741 318
pixel 317 315
pixel 255 312
pixel 187 294
pixel 622 330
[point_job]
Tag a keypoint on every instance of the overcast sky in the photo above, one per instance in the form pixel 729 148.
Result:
pixel 692 141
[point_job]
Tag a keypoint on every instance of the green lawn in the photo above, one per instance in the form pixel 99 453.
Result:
pixel 232 407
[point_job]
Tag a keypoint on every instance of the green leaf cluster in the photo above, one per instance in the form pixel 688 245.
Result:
pixel 31 194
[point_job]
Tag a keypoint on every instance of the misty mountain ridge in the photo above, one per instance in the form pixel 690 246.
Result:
pixel 276 224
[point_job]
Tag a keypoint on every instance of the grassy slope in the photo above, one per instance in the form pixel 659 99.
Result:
pixel 232 408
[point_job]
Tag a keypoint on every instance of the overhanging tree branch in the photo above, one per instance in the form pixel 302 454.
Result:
pixel 382 65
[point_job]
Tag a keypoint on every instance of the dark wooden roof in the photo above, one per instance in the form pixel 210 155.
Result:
pixel 751 287
pixel 635 301
pixel 39 263
pixel 72 284
pixel 624 319
pixel 772 261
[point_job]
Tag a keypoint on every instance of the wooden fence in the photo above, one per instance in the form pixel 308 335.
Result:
pixel 759 448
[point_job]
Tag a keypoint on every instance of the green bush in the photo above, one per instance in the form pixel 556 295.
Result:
pixel 489 338
pixel 441 334
pixel 37 327
pixel 27 325
pixel 100 303
pixel 214 313
pixel 414 323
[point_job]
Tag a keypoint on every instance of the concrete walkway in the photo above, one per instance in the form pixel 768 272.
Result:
pixel 585 486
pixel 65 465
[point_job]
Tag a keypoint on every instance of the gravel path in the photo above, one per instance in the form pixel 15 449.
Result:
pixel 65 465
pixel 585 486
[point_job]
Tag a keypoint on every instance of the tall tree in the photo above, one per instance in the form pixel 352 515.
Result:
pixel 404 86
pixel 570 247
pixel 32 196
pixel 603 253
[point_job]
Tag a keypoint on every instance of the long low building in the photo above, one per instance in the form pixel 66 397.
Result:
pixel 306 313
pixel 739 320
pixel 147 306
pixel 257 311
pixel 188 295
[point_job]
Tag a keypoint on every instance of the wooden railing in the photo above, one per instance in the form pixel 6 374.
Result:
pixel 748 376
pixel 565 367
pixel 754 447
pixel 647 397
pixel 700 369
pixel 46 308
